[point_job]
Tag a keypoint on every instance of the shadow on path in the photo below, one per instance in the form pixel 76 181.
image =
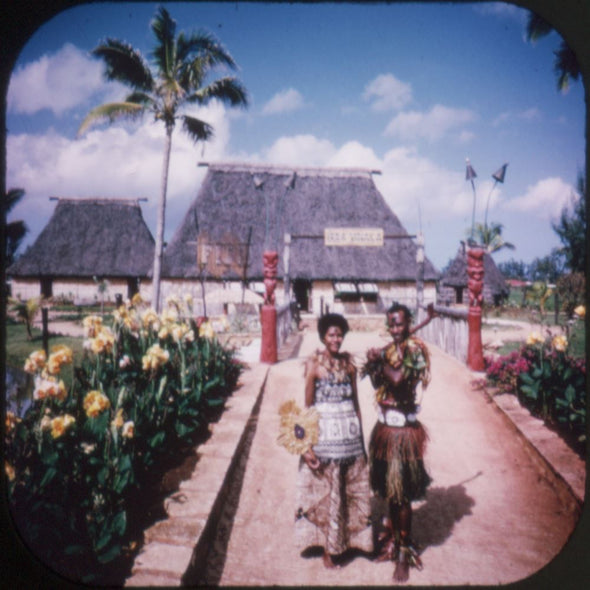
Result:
pixel 434 520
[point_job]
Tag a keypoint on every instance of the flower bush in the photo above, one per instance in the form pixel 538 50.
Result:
pixel 76 461
pixel 547 380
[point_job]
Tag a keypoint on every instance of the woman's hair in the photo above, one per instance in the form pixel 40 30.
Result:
pixel 395 307
pixel 329 320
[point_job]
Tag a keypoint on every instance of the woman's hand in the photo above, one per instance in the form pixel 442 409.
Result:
pixel 373 354
pixel 311 459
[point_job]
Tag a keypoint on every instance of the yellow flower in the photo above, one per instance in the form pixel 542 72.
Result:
pixel 47 386
pixel 35 362
pixel 60 355
pixel 102 342
pixel 559 343
pixel 206 330
pixel 9 470
pixel 92 325
pixel 118 421
pixel 150 319
pixel 95 403
pixel 136 300
pixel 128 429
pixel 580 311
pixel 60 424
pixel 45 423
pixel 10 421
pixel 154 358
pixel 534 338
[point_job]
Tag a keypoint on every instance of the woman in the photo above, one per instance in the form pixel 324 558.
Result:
pixel 398 440
pixel 333 496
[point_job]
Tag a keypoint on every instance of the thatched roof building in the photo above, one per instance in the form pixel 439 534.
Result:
pixel 242 209
pixel 453 283
pixel 84 239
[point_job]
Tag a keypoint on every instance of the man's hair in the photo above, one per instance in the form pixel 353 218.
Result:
pixel 395 307
pixel 332 319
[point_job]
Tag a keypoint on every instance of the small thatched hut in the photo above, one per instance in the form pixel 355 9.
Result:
pixel 242 209
pixel 86 242
pixel 453 283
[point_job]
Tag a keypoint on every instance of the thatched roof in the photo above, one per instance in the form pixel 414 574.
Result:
pixel 456 273
pixel 232 199
pixel 90 237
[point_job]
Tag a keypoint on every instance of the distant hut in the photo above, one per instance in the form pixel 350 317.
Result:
pixel 87 241
pixel 453 283
pixel 241 209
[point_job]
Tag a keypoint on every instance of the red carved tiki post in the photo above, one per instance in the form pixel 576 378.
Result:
pixel 268 313
pixel 475 273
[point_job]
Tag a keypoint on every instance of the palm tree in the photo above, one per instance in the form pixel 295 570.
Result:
pixel 490 237
pixel 183 65
pixel 15 230
pixel 566 64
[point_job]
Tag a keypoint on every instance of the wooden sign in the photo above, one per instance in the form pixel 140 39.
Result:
pixel 353 236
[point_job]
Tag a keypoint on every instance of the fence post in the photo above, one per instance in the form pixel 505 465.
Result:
pixel 45 320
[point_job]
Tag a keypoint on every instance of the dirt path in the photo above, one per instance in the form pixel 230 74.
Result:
pixel 488 517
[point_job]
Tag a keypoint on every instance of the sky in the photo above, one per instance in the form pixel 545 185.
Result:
pixel 410 90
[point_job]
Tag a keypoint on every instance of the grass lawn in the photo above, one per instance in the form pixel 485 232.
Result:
pixel 18 346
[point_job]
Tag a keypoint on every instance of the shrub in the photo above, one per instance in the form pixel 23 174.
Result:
pixel 78 459
pixel 547 380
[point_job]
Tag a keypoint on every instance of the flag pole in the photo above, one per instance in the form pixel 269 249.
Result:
pixel 498 176
pixel 470 175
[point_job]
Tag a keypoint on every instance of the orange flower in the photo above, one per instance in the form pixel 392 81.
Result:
pixel 60 424
pixel 35 362
pixel 128 429
pixel 95 403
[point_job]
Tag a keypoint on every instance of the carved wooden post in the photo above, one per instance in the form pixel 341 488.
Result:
pixel 268 313
pixel 475 274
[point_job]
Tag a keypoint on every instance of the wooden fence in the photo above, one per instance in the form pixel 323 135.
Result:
pixel 448 330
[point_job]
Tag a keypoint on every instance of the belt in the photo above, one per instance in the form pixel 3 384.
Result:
pixel 391 417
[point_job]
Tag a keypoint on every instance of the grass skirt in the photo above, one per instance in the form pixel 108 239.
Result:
pixel 397 462
pixel 333 506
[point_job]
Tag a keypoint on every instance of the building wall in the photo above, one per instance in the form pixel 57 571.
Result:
pixel 80 291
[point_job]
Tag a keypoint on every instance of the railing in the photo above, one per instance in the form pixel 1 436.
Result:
pixel 449 330
pixel 284 322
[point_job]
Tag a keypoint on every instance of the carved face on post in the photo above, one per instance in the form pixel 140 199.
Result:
pixel 270 260
pixel 475 275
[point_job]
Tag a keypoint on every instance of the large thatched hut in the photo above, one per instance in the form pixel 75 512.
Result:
pixel 85 243
pixel 345 248
pixel 453 282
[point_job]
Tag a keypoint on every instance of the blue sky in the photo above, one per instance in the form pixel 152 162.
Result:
pixel 407 89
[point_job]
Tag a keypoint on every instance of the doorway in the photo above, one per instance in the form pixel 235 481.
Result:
pixel 302 292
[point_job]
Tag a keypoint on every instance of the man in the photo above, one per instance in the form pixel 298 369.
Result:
pixel 398 440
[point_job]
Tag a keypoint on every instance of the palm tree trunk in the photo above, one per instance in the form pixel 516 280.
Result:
pixel 160 224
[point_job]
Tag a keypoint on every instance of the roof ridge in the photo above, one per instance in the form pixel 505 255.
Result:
pixel 285 169
pixel 99 200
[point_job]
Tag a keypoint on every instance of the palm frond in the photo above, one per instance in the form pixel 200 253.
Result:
pixel 12 197
pixel 537 27
pixel 196 129
pixel 124 64
pixel 140 98
pixel 566 66
pixel 205 47
pixel 164 28
pixel 111 112
pixel 228 90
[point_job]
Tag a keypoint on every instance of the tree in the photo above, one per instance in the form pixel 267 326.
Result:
pixel 549 268
pixel 566 64
pixel 26 312
pixel 571 229
pixel 15 230
pixel 490 237
pixel 182 67
pixel 513 269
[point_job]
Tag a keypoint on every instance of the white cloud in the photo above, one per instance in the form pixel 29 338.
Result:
pixel 285 101
pixel 387 93
pixel 300 150
pixel 544 200
pixel 57 82
pixel 355 155
pixel 530 114
pixel 116 161
pixel 432 125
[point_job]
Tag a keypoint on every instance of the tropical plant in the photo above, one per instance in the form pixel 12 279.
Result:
pixel 15 230
pixel 80 459
pixel 571 289
pixel 566 65
pixel 571 229
pixel 547 380
pixel 182 67
pixel 537 295
pixel 490 237
pixel 26 311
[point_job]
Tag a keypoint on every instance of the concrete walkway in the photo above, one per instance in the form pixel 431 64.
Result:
pixel 500 508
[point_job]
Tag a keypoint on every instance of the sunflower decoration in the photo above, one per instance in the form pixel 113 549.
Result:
pixel 299 428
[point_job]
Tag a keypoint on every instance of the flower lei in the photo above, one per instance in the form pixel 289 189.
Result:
pixel 415 362
pixel 340 367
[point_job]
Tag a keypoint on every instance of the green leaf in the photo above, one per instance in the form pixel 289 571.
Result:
pixel 158 439
pixel 111 554
pixel 48 476
pixel 120 523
